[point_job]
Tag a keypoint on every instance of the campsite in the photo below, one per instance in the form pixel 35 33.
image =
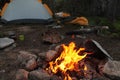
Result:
pixel 34 39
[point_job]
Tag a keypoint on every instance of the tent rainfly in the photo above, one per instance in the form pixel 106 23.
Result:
pixel 22 11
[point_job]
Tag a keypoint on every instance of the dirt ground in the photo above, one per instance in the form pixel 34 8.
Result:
pixel 33 42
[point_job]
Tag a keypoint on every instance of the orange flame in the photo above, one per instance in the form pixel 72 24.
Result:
pixel 67 60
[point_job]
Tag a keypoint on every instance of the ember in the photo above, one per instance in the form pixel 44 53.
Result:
pixel 68 60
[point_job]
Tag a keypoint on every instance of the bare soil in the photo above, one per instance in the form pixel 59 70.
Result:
pixel 33 42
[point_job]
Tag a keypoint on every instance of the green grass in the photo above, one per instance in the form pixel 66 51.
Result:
pixel 101 21
pixel 116 25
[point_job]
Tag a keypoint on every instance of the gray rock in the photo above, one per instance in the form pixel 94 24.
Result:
pixel 5 42
pixel 31 64
pixel 112 68
pixel 42 55
pixel 10 47
pixel 51 36
pixel 54 77
pixel 27 60
pixel 50 55
pixel 39 75
pixel 24 56
pixel 1 26
pixel 21 74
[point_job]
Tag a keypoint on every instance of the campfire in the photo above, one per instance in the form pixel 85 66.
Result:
pixel 69 61
pixel 64 62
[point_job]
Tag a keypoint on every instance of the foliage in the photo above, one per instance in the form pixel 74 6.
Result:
pixel 99 21
pixel 108 10
pixel 1 34
pixel 102 8
pixel 114 27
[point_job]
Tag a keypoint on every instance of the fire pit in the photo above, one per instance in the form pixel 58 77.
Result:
pixel 78 64
pixel 65 62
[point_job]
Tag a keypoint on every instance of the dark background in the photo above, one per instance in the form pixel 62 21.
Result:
pixel 103 8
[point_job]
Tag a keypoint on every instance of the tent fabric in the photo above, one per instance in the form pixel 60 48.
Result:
pixel 48 9
pixel 40 0
pixel 26 10
pixel 0 12
pixel 3 10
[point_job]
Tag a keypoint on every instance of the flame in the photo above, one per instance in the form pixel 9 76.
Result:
pixel 85 68
pixel 67 60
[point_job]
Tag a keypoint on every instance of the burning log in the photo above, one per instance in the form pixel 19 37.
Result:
pixel 21 74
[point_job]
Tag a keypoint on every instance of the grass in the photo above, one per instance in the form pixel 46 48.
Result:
pixel 114 30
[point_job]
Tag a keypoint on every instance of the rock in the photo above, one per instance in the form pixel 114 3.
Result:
pixel 25 56
pixel 57 48
pixel 11 34
pixel 54 77
pixel 57 26
pixel 21 74
pixel 2 71
pixel 1 25
pixel 31 64
pixel 5 42
pixel 99 52
pixel 27 60
pixel 39 75
pixel 35 51
pixel 51 36
pixel 91 73
pixel 112 68
pixel 50 55
pixel 25 29
pixel 10 47
pixel 41 62
pixel 42 55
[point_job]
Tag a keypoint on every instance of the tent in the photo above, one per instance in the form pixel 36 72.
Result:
pixel 19 11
